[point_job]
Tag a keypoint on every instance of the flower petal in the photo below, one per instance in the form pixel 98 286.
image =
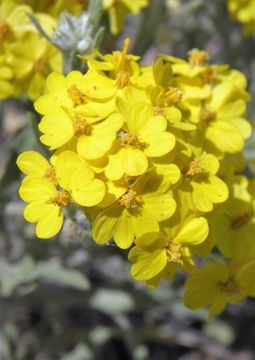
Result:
pixel 32 163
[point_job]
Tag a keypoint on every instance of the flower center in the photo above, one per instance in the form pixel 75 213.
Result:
pixel 210 77
pixel 173 96
pixel 207 115
pixel 41 66
pixel 128 200
pixel 241 220
pixel 76 95
pixel 130 139
pixel 4 28
pixel 229 288
pixel 157 110
pixel 81 126
pixel 50 174
pixel 193 169
pixel 122 79
pixel 62 198
pixel 129 180
pixel 174 252
pixel 198 57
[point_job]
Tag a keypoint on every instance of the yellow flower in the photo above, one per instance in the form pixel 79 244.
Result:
pixel 135 213
pixel 70 93
pixel 45 205
pixel 222 114
pixel 112 74
pixel 117 9
pixel 200 188
pixel 93 139
pixel 32 59
pixel 159 259
pixel 13 22
pixel 197 79
pixel 216 285
pixel 48 190
pixel 143 136
pixel 163 94
pixel 234 227
pixel 33 164
pixel 75 176
pixel 68 116
pixel 244 12
pixel 196 64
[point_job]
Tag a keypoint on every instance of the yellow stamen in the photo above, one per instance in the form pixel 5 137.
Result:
pixel 122 79
pixel 210 77
pixel 41 66
pixel 4 28
pixel 130 139
pixel 157 110
pixel 230 287
pixel 193 169
pixel 128 200
pixel 174 252
pixel 207 115
pixel 173 96
pixel 128 180
pixel 198 57
pixel 50 174
pixel 81 126
pixel 241 220
pixel 76 95
pixel 63 198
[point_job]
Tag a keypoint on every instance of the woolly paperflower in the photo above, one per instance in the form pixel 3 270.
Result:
pixel 215 285
pixel 41 189
pixel 200 188
pixel 159 259
pixel 135 213
pixel 143 136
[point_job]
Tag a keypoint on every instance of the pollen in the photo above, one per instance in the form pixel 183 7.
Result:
pixel 193 169
pixel 122 79
pixel 81 126
pixel 207 115
pixel 241 220
pixel 76 95
pixel 128 200
pixel 128 180
pixel 198 57
pixel 173 96
pixel 63 198
pixel 130 139
pixel 230 287
pixel 4 28
pixel 174 252
pixel 50 174
pixel 157 110
pixel 210 77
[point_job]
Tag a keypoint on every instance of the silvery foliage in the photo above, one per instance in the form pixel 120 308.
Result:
pixel 75 35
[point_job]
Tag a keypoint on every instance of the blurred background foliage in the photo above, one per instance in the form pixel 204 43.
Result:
pixel 70 299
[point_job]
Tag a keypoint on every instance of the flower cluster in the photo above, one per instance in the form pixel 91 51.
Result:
pixel 244 12
pixel 152 156
pixel 26 57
